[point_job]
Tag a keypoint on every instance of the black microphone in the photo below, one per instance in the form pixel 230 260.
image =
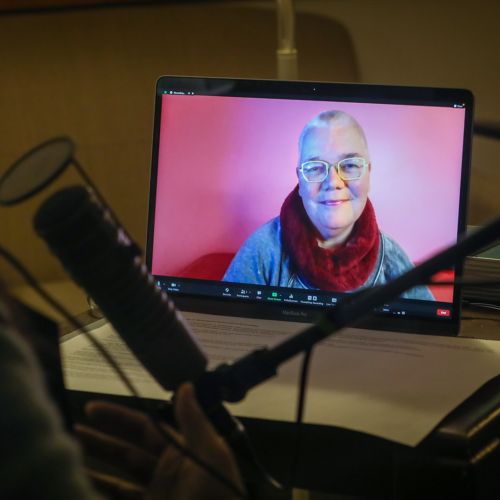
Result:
pixel 102 260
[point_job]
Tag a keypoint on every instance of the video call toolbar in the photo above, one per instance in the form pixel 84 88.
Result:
pixel 295 297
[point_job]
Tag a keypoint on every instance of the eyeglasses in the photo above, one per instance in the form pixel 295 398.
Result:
pixel 349 169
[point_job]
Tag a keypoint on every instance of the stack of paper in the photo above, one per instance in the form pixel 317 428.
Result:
pixel 394 385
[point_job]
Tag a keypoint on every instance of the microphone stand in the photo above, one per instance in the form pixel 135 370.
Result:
pixel 232 382
pixel 286 53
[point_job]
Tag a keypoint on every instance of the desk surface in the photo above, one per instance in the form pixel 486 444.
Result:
pixel 274 441
pixel 480 323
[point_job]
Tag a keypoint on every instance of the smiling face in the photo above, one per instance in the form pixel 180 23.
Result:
pixel 334 205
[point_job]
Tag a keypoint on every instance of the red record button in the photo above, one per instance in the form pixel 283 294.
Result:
pixel 443 312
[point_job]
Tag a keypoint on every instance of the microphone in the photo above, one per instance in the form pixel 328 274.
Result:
pixel 102 260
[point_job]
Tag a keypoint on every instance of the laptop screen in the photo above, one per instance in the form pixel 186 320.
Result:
pixel 279 198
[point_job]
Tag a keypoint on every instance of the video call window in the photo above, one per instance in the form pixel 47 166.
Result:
pixel 333 196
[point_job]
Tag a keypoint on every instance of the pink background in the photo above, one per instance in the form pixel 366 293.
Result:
pixel 227 164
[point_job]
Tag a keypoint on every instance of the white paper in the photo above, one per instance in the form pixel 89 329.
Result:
pixel 85 369
pixel 393 385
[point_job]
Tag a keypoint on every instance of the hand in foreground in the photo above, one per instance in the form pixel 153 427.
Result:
pixel 127 440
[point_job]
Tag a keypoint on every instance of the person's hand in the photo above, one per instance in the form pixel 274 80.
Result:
pixel 129 442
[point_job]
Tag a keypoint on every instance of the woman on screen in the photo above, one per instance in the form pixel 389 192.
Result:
pixel 326 236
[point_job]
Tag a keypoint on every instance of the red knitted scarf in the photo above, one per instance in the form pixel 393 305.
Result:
pixel 345 269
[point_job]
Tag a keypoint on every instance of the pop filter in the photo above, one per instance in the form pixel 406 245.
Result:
pixel 35 170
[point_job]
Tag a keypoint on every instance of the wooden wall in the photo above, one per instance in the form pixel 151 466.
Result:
pixel 91 74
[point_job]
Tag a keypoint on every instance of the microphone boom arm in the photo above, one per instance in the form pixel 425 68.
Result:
pixel 232 382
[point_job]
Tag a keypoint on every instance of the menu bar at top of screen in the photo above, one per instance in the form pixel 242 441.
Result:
pixel 315 97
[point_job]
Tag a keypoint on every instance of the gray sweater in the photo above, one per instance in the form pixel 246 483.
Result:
pixel 262 261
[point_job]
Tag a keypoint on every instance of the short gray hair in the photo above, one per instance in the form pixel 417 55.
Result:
pixel 327 119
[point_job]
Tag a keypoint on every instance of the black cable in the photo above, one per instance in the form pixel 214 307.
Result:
pixel 487 129
pixel 479 318
pixel 166 434
pixel 300 413
pixel 484 304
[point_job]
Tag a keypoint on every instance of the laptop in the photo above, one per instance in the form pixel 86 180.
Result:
pixel 272 200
